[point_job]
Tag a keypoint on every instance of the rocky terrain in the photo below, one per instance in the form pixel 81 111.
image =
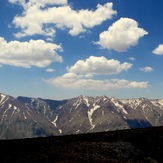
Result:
pixel 122 146
pixel 25 117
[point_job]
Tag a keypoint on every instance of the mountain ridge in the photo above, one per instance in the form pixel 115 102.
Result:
pixel 24 117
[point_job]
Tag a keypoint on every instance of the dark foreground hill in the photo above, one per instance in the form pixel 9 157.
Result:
pixel 125 146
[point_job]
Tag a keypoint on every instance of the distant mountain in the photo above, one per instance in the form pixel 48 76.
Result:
pixel 24 117
pixel 18 120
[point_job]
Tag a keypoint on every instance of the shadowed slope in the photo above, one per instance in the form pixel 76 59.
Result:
pixel 135 145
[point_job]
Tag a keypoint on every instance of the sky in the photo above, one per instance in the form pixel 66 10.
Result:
pixel 60 49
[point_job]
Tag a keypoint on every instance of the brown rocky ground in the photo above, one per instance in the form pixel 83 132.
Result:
pixel 123 146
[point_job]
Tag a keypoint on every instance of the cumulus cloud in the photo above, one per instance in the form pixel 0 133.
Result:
pixel 159 50
pixel 50 70
pixel 26 54
pixel 146 69
pixel 121 35
pixel 44 21
pixel 79 75
pixel 99 65
pixel 72 80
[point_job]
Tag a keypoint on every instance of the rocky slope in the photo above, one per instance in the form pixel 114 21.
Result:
pixel 20 121
pixel 122 146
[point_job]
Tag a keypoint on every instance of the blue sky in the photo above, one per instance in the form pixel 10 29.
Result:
pixel 61 49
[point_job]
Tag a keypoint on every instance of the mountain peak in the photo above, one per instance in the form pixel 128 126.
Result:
pixel 82 96
pixel 37 117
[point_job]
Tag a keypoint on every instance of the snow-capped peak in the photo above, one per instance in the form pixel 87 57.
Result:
pixel 2 97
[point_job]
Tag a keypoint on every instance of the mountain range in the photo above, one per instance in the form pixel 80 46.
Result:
pixel 25 117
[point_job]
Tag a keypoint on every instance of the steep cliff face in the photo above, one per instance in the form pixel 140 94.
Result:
pixel 30 117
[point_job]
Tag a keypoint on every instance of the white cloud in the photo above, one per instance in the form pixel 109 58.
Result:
pixel 19 2
pixel 49 39
pixel 36 20
pixel 132 58
pixel 38 2
pixel 99 65
pixel 73 81
pixel 0 66
pixel 159 50
pixel 50 70
pixel 123 34
pixel 49 2
pixel 26 54
pixel 146 69
pixel 79 76
pixel 81 36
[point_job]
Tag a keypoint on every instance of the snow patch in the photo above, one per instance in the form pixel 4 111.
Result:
pixel 124 117
pixel 71 119
pixel 105 99
pixel 2 97
pixel 3 100
pixel 28 113
pixel 134 103
pixel 24 116
pixel 15 108
pixel 54 122
pixel 143 106
pixel 60 131
pixel 4 116
pixel 116 103
pixel 70 110
pixel 144 113
pixel 32 101
pixel 60 107
pixel 90 113
pixel 34 120
pixel 85 98
pixel 158 103
pixel 44 110
pixel 18 110
pixel 77 103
